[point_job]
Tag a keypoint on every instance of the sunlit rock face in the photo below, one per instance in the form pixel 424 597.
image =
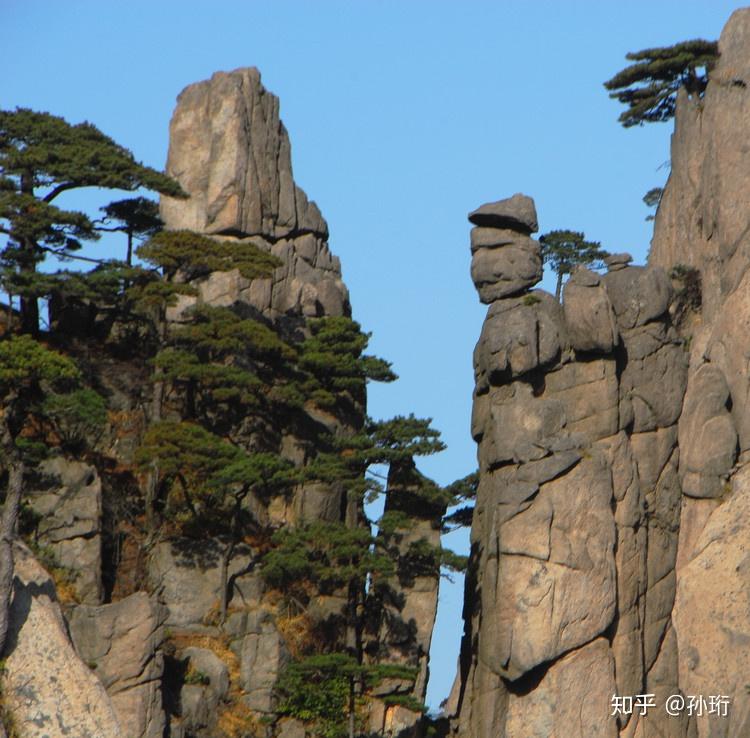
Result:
pixel 575 534
pixel 609 544
pixel 230 152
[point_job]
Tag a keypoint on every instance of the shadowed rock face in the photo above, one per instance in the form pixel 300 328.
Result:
pixel 609 544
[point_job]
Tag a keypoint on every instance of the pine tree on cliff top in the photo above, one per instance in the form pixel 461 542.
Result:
pixel 649 87
pixel 41 157
pixel 564 250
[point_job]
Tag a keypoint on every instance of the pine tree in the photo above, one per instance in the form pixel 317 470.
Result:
pixel 136 217
pixel 215 478
pixel 563 250
pixel 30 373
pixel 649 87
pixel 345 558
pixel 41 157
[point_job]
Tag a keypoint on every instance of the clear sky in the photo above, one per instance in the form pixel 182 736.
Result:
pixel 404 115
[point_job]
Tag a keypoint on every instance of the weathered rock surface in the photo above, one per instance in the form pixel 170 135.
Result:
pixel 121 643
pixel 575 532
pixel 46 686
pixel 186 576
pixel 68 502
pixel 663 410
pixel 517 213
pixel 231 153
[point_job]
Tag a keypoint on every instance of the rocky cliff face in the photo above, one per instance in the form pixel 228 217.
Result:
pixel 134 622
pixel 609 554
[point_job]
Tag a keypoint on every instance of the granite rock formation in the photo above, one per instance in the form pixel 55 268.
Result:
pixel 574 541
pixel 609 552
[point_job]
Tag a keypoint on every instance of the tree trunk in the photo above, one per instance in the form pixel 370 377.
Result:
pixel 352 707
pixel 7 534
pixel 558 288
pixel 157 399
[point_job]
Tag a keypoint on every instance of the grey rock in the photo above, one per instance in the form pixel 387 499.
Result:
pixel 550 584
pixel 708 439
pixel 70 510
pixel 121 642
pixel 483 238
pixel 588 392
pixel 507 271
pixel 536 422
pixel 655 386
pixel 185 574
pixel 519 335
pixel 46 686
pixel 638 294
pixel 263 654
pixel 589 316
pixel 516 213
pixel 291 728
pixel 231 154
pixel 207 663
pixel 615 262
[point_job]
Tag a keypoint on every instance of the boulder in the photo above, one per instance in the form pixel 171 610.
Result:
pixel 711 614
pixel 518 335
pixel 589 317
pixel 185 574
pixel 573 701
pixel 616 262
pixel 121 642
pixel 263 654
pixel 231 154
pixel 484 238
pixel 506 271
pixel 638 294
pixel 588 391
pixel 46 686
pixel 517 213
pixel 522 427
pixel 708 439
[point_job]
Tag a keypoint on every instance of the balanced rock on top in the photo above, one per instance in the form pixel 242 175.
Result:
pixel 506 260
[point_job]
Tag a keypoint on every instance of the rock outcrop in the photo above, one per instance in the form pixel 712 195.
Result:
pixel 46 686
pixel 609 552
pixel 574 540
pixel 231 153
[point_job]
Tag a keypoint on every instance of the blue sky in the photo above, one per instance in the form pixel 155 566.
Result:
pixel 403 116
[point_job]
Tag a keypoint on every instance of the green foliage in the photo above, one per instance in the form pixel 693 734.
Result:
pixel 39 151
pixel 333 358
pixel 204 356
pixel 136 216
pixel 317 690
pixel 25 361
pixel 326 555
pixel 212 472
pixel 530 300
pixel 652 199
pixel 462 490
pixel 563 250
pixel 649 87
pixel 63 155
pixel 194 255
pixel 77 416
pixel 688 296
